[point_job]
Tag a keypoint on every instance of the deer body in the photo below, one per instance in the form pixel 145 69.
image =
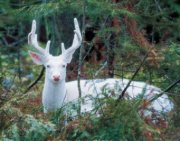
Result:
pixel 57 92
pixel 113 86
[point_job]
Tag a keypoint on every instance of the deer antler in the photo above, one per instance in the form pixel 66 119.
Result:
pixel 62 48
pixel 77 39
pixel 32 40
pixel 77 36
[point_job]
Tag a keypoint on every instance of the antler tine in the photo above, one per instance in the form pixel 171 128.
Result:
pixel 77 37
pixel 48 47
pixel 32 38
pixel 77 31
pixel 62 48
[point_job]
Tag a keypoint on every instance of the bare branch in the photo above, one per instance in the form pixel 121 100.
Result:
pixel 36 81
pixel 166 90
pixel 80 38
pixel 136 72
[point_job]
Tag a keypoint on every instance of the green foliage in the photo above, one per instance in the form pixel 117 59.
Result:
pixel 119 121
pixel 21 116
pixel 172 59
pixel 20 126
pixel 28 129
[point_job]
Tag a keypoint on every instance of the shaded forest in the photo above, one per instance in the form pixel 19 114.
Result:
pixel 117 36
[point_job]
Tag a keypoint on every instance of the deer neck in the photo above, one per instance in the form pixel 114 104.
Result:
pixel 54 94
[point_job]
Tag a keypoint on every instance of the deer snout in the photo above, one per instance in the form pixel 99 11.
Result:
pixel 56 77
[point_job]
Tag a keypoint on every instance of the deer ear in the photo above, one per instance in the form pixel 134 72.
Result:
pixel 37 58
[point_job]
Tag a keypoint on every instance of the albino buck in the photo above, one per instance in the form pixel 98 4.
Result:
pixel 57 92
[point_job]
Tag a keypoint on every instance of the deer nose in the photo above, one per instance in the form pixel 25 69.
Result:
pixel 56 77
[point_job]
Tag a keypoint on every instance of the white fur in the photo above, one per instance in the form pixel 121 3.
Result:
pixel 56 93
pixel 96 87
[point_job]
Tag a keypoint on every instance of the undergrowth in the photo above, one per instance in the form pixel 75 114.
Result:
pixel 111 121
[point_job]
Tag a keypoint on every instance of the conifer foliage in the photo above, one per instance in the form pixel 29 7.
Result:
pixel 117 36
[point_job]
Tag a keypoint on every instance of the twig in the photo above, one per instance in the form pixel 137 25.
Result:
pixel 166 90
pixel 100 69
pixel 94 76
pixel 87 52
pixel 136 72
pixel 158 6
pixel 17 42
pixel 80 55
pixel 35 82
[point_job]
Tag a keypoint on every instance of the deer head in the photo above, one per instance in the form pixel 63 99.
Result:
pixel 55 65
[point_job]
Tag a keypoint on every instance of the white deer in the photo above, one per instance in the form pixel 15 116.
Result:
pixel 57 92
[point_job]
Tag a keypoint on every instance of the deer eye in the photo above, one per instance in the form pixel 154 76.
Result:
pixel 48 66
